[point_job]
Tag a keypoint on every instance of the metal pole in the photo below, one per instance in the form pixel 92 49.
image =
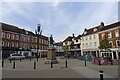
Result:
pixel 30 58
pixel 34 65
pixel 85 62
pixel 20 59
pixel 51 64
pixel 99 62
pixel 14 65
pixel 10 60
pixel 2 63
pixel 101 75
pixel 66 63
pixel 111 62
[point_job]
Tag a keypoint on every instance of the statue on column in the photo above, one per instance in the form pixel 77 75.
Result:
pixel 51 42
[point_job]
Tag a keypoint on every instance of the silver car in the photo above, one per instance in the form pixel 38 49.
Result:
pixel 16 56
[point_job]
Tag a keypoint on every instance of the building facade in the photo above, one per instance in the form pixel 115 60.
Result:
pixel 59 51
pixel 16 40
pixel 89 42
pixel 112 32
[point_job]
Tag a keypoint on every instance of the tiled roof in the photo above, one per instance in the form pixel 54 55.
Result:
pixel 91 30
pixel 15 29
pixel 110 26
pixel 69 38
pixel 99 28
pixel 78 37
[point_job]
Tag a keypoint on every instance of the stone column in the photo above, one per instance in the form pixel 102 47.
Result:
pixel 51 57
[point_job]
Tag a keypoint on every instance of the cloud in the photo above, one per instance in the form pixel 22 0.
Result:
pixel 58 18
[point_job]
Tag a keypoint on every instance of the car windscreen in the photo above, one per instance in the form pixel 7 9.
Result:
pixel 16 55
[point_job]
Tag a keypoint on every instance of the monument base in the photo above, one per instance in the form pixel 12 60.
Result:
pixel 53 61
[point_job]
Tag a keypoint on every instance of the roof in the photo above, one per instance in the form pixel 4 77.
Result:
pixel 78 37
pixel 110 26
pixel 59 43
pixel 99 28
pixel 69 38
pixel 15 29
pixel 91 30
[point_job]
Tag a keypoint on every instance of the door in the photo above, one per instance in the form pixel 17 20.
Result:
pixel 114 55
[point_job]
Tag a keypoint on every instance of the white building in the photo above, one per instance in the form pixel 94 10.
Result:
pixel 90 41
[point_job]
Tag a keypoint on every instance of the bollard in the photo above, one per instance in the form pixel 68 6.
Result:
pixel 101 75
pixel 51 64
pixel 99 62
pixel 37 58
pixel 10 60
pixel 85 62
pixel 111 62
pixel 66 63
pixel 20 59
pixel 2 63
pixel 34 65
pixel 30 58
pixel 14 65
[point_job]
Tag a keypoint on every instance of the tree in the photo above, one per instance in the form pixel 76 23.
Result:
pixel 104 45
pixel 65 48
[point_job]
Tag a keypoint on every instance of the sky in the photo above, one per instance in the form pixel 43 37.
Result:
pixel 60 19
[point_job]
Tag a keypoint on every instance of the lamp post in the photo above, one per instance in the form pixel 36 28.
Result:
pixel 38 33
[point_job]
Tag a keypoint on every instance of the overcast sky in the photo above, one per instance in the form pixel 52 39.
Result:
pixel 60 19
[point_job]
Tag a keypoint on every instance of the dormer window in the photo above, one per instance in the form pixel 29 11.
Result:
pixel 95 29
pixel 85 32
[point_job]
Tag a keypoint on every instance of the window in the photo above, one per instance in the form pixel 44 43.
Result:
pixel 83 38
pixel 28 39
pixel 83 45
pixel 90 44
pixel 3 35
pixel 76 40
pixel 85 32
pixel 12 44
pixel 8 36
pixel 16 44
pixel 86 44
pixel 90 37
pixel 17 37
pixel 118 43
pixel 12 36
pixel 95 43
pixel 95 29
pixel 94 36
pixel 103 35
pixel 7 44
pixel 117 33
pixel 110 44
pixel 2 43
pixel 86 38
pixel 109 35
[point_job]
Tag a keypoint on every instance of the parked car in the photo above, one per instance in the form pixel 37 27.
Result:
pixel 16 56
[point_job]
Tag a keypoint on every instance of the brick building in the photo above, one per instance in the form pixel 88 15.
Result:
pixel 112 32
pixel 16 40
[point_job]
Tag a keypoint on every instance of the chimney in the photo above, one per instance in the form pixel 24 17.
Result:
pixel 102 24
pixel 85 29
pixel 73 35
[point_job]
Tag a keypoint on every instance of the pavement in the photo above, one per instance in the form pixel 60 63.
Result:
pixel 76 69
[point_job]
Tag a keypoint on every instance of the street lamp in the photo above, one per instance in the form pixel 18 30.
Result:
pixel 38 33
